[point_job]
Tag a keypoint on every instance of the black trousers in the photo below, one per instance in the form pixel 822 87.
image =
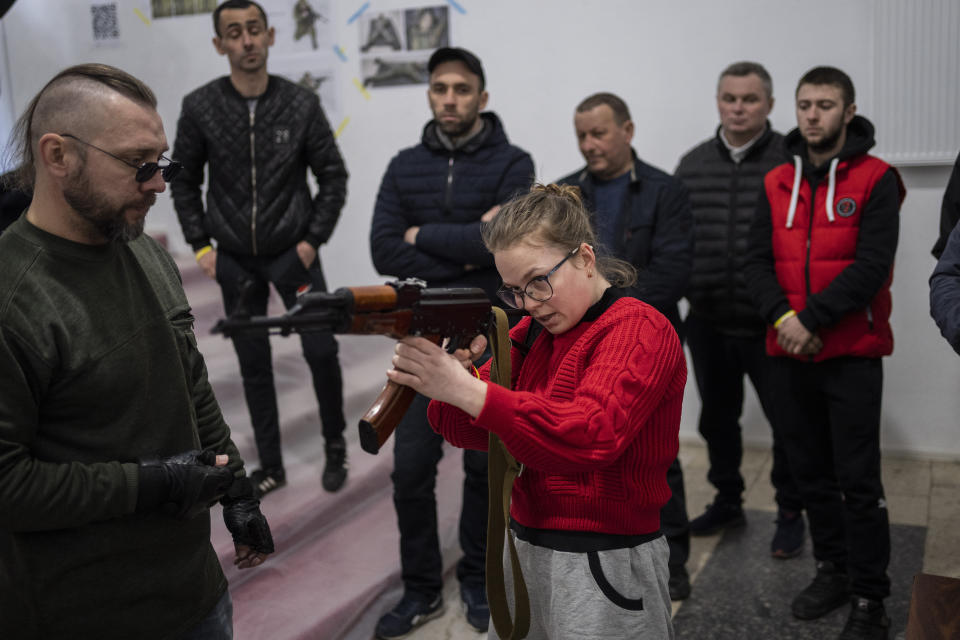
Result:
pixel 830 414
pixel 673 517
pixel 416 451
pixel 674 521
pixel 720 363
pixel 244 283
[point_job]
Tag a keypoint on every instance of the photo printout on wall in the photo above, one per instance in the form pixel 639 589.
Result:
pixel 174 8
pixel 396 45
pixel 427 28
pixel 301 26
pixel 319 75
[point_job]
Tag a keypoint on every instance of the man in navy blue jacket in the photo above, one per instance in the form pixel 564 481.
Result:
pixel 433 200
pixel 641 215
pixel 945 286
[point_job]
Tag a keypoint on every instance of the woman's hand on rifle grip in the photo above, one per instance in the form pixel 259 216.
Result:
pixel 424 366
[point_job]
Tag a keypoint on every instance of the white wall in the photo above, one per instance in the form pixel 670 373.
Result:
pixel 7 117
pixel 541 57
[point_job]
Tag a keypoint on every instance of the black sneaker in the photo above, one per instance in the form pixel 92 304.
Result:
pixel 335 470
pixel 679 583
pixel 830 589
pixel 474 598
pixel 410 613
pixel 788 540
pixel 718 516
pixel 868 621
pixel 266 480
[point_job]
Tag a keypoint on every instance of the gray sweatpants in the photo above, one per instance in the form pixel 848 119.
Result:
pixel 624 596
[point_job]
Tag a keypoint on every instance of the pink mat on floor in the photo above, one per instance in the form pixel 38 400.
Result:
pixel 336 569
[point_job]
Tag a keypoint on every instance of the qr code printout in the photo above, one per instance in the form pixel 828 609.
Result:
pixel 105 24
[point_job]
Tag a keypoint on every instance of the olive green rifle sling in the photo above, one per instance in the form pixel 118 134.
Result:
pixel 502 470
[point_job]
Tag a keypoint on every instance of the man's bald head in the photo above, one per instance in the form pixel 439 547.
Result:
pixel 75 101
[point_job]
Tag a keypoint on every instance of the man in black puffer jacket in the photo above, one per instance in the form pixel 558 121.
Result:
pixel 433 200
pixel 725 332
pixel 258 134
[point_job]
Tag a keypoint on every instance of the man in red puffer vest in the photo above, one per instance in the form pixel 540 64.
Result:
pixel 819 269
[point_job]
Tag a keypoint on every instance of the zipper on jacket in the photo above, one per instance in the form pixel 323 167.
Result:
pixel 731 234
pixel 448 193
pixel 253 186
pixel 806 262
pixel 870 317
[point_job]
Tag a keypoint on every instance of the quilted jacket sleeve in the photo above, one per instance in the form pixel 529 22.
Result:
pixel 463 242
pixel 762 283
pixel 391 254
pixel 190 149
pixel 325 161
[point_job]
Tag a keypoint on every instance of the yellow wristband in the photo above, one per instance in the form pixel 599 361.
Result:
pixel 475 372
pixel 788 314
pixel 202 252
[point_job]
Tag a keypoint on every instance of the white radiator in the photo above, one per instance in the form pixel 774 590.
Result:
pixel 916 106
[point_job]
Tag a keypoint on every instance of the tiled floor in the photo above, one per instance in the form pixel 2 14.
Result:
pixel 919 492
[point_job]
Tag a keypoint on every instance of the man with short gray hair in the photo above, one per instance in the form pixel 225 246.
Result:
pixel 724 175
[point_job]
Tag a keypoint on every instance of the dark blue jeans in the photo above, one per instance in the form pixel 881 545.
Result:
pixel 244 283
pixel 416 452
pixel 720 363
pixel 218 625
pixel 830 413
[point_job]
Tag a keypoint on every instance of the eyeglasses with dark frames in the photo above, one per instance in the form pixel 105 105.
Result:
pixel 146 170
pixel 539 287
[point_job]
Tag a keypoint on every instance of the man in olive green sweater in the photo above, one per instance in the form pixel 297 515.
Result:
pixel 112 446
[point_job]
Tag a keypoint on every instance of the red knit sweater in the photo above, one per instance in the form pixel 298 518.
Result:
pixel 593 417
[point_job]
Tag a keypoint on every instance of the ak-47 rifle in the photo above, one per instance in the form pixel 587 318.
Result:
pixel 396 309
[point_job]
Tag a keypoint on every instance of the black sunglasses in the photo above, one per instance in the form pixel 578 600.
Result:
pixel 146 170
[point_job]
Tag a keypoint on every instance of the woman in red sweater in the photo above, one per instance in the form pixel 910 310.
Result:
pixel 593 416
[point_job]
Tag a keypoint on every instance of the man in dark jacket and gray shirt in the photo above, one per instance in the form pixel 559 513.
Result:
pixel 258 134
pixel 641 215
pixel 724 330
pixel 433 200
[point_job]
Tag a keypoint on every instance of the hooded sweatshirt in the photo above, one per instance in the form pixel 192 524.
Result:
pixel 822 243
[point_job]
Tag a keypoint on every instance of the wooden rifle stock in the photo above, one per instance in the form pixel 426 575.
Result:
pixel 383 416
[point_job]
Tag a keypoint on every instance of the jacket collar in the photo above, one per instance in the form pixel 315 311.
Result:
pixel 610 295
pixel 231 90
pixel 491 135
pixel 585 178
pixel 754 149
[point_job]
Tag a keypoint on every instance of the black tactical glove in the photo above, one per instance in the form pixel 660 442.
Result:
pixel 241 514
pixel 183 486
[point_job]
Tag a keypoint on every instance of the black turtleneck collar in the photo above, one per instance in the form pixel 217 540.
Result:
pixel 610 295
